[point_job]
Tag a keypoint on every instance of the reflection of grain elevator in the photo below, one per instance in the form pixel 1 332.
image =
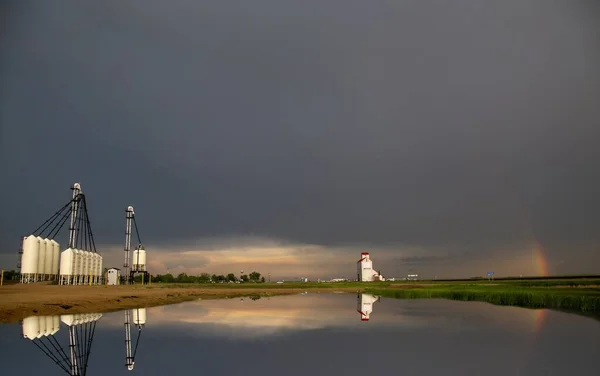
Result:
pixel 364 305
pixel 41 331
pixel 365 270
pixel 139 319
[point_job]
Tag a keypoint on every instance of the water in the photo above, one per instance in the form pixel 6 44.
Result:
pixel 316 334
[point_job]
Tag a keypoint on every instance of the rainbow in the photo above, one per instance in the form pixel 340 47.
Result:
pixel 540 261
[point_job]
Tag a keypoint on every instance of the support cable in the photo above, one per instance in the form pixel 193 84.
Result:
pixel 137 341
pixel 48 354
pixel 137 232
pixel 60 350
pixel 59 225
pixel 52 218
pixel 89 226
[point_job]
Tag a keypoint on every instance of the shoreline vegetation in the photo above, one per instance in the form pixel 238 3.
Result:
pixel 574 295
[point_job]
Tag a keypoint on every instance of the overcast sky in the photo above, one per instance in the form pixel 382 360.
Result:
pixel 447 137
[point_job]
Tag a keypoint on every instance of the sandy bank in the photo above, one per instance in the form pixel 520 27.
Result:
pixel 20 301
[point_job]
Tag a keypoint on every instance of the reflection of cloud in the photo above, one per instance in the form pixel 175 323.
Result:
pixel 244 318
pixel 269 316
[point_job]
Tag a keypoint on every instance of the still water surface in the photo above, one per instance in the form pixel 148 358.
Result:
pixel 316 334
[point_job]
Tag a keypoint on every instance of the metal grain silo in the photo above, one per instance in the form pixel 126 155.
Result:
pixel 41 258
pixel 97 267
pixel 139 316
pixel 85 266
pixel 49 325
pixel 55 324
pixel 100 269
pixel 67 265
pixel 31 327
pixel 77 266
pixel 29 259
pixel 55 257
pixel 48 257
pixel 139 259
pixel 42 326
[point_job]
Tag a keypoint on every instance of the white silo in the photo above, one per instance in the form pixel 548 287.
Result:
pixel 77 266
pixel 67 266
pixel 41 258
pixel 139 259
pixel 85 266
pixel 29 258
pixel 365 305
pixel 55 324
pixel 139 316
pixel 48 257
pixel 100 269
pixel 49 325
pixel 92 272
pixel 80 318
pixel 98 265
pixel 365 268
pixel 55 258
pixel 42 325
pixel 31 327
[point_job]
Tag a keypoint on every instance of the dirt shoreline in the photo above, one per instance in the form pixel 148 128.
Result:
pixel 20 301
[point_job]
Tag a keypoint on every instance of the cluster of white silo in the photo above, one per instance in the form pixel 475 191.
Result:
pixel 35 327
pixel 79 267
pixel 40 326
pixel 39 259
pixel 80 318
pixel 139 260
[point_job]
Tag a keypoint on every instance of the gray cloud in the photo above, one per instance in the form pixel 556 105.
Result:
pixel 456 127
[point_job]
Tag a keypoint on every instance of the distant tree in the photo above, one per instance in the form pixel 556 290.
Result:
pixel 244 278
pixel 255 276
pixel 213 278
pixel 11 275
pixel 204 278
pixel 221 278
pixel 262 279
pixel 231 277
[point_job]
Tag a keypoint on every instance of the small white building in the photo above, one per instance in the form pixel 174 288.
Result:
pixel 113 276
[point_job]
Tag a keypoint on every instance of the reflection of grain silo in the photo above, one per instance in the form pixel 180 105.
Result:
pixel 139 320
pixel 364 305
pixel 41 330
pixel 35 327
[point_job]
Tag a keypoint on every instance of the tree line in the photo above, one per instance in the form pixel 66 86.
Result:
pixel 254 277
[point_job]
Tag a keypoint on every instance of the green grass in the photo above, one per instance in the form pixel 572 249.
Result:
pixel 577 295
pixel 584 301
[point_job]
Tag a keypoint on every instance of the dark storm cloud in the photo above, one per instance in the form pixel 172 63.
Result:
pixel 462 125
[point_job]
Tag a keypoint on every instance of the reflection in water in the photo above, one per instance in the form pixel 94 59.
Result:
pixel 364 305
pixel 41 330
pixel 321 327
pixel 139 320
